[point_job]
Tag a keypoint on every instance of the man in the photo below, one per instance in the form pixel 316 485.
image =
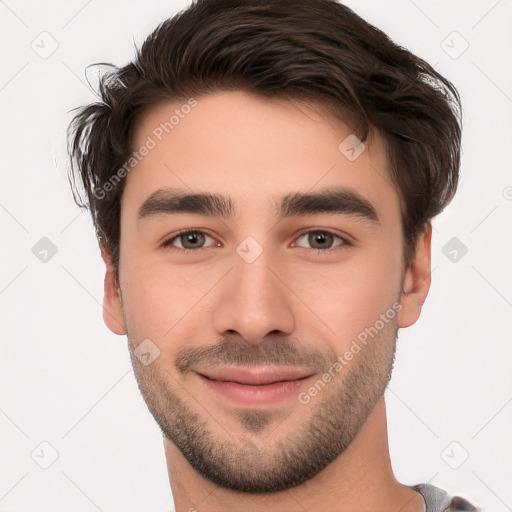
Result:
pixel 262 180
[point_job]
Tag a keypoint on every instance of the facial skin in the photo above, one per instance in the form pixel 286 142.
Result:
pixel 217 314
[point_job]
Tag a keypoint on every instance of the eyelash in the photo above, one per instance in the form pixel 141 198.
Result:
pixel 345 243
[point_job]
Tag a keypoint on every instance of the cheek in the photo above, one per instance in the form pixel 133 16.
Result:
pixel 146 308
pixel 346 299
pixel 158 300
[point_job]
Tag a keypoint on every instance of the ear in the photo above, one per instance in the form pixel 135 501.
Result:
pixel 112 306
pixel 416 281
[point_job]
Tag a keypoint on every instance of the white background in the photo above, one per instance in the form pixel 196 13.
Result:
pixel 65 379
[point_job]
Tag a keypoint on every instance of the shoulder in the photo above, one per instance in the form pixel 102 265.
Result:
pixel 438 500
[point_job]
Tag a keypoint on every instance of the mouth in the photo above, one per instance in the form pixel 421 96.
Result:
pixel 254 387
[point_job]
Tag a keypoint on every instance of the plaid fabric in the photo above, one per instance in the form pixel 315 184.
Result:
pixel 437 500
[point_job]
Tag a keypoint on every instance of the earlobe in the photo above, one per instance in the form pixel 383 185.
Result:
pixel 416 281
pixel 112 307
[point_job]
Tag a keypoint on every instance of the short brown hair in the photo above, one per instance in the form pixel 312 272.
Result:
pixel 317 51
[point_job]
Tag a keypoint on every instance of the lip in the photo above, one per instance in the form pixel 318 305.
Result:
pixel 254 387
pixel 255 376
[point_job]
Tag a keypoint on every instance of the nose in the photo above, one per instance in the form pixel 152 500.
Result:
pixel 254 301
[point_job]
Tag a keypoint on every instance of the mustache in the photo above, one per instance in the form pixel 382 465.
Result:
pixel 236 353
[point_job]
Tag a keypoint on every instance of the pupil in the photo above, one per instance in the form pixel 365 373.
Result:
pixel 192 239
pixel 320 238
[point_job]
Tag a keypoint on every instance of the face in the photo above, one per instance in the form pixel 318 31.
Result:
pixel 260 284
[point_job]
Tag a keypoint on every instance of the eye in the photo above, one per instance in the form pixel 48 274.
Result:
pixel 322 241
pixel 318 240
pixel 188 240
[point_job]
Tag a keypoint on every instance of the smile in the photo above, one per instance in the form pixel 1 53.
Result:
pixel 254 387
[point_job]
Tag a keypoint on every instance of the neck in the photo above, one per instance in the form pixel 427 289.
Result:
pixel 360 479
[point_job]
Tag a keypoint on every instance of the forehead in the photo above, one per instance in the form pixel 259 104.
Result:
pixel 253 149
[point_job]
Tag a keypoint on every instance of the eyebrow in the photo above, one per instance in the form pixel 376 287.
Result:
pixel 339 200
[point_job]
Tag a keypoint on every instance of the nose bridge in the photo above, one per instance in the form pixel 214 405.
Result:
pixel 253 301
pixel 255 281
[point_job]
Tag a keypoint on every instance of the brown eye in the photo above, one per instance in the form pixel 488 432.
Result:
pixel 188 240
pixel 192 240
pixel 321 240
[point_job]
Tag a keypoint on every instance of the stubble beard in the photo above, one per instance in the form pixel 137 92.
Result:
pixel 278 461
